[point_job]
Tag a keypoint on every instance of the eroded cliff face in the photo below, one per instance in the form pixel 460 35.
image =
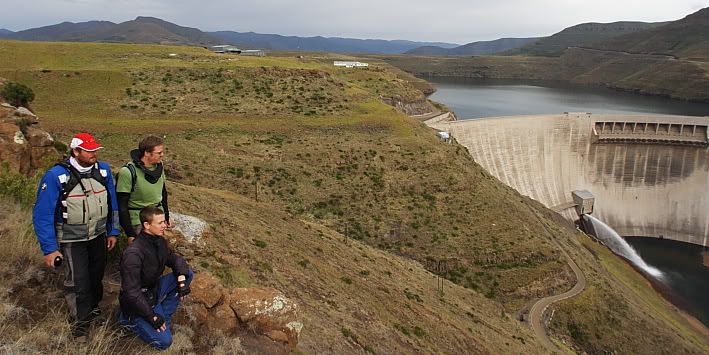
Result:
pixel 24 147
pixel 410 107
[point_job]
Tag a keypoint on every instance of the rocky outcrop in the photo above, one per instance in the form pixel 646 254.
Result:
pixel 190 227
pixel 23 145
pixel 410 107
pixel 265 317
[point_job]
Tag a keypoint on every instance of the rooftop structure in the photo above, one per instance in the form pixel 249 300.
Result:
pixel 225 48
pixel 346 64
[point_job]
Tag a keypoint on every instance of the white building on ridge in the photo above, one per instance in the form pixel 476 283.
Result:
pixel 339 63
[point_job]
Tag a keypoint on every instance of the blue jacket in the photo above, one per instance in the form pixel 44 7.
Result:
pixel 45 212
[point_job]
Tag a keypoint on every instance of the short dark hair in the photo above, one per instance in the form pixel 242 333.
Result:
pixel 147 214
pixel 149 143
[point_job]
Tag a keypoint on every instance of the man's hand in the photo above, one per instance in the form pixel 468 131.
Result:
pixel 49 258
pixel 111 242
pixel 158 323
pixel 131 240
pixel 183 289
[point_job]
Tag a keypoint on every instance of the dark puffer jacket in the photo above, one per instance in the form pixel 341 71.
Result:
pixel 142 264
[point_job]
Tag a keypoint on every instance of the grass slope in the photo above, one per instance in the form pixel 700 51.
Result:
pixel 581 35
pixel 355 170
pixel 687 38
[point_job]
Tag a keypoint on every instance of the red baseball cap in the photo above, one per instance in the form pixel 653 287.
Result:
pixel 85 142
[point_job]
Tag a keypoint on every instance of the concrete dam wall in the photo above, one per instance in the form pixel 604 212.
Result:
pixel 649 174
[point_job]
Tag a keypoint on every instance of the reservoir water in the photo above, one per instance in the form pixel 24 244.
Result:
pixel 685 277
pixel 491 98
pixel 683 270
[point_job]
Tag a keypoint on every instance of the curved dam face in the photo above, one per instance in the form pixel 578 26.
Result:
pixel 649 174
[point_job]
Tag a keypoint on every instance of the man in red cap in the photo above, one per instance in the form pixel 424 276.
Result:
pixel 75 218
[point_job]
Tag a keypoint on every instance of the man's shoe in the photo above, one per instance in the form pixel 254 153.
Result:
pixel 95 316
pixel 80 330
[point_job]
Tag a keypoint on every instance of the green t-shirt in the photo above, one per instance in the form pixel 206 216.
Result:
pixel 145 194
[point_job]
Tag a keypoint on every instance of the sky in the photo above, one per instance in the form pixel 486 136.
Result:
pixel 453 21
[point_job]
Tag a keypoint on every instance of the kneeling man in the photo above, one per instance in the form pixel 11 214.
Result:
pixel 148 300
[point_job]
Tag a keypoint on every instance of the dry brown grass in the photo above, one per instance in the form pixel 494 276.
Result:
pixel 33 314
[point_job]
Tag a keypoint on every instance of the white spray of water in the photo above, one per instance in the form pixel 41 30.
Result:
pixel 619 246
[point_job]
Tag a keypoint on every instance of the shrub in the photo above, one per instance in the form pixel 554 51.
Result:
pixel 419 332
pixel 17 94
pixel 20 187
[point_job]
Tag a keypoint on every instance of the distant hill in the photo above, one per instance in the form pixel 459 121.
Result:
pixel 4 31
pixel 685 38
pixel 140 30
pixel 475 48
pixel 65 31
pixel 581 35
pixel 320 44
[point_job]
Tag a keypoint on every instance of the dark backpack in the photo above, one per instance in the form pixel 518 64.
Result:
pixel 133 176
pixel 75 179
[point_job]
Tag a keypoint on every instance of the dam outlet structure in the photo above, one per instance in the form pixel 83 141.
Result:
pixel 649 174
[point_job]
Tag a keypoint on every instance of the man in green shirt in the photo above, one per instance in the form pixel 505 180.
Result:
pixel 140 184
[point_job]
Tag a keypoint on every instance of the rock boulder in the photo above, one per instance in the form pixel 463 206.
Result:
pixel 265 315
pixel 23 145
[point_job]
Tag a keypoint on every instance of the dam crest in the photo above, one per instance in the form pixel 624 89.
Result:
pixel 649 174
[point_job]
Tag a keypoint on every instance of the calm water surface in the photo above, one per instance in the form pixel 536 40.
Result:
pixel 474 99
pixel 684 272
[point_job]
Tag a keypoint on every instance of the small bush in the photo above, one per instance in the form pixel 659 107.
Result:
pixel 419 332
pixel 348 334
pixel 17 94
pixel 260 243
pixel 18 186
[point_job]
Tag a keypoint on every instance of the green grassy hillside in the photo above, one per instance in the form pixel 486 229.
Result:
pixel 345 193
pixel 687 38
pixel 580 36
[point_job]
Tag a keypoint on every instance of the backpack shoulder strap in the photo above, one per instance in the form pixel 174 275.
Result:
pixel 96 174
pixel 133 176
pixel 67 185
pixel 72 181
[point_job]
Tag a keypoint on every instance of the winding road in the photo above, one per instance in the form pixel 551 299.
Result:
pixel 536 313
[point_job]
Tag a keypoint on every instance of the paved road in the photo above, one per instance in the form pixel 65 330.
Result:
pixel 536 313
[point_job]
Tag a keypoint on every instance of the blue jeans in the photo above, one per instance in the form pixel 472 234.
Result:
pixel 167 303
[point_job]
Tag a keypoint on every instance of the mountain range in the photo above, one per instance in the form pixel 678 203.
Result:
pixel 140 30
pixel 475 48
pixel 686 37
pixel 582 35
pixel 321 44
pixel 154 30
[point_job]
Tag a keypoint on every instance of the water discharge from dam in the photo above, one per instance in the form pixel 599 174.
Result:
pixel 618 245
pixel 647 168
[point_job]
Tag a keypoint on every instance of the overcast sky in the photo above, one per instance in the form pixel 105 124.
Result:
pixel 457 21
